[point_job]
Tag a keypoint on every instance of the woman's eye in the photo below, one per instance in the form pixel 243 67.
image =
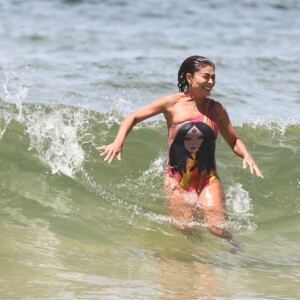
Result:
pixel 187 138
pixel 200 137
pixel 207 77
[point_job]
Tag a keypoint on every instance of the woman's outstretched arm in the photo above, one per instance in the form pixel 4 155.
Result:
pixel 115 148
pixel 236 144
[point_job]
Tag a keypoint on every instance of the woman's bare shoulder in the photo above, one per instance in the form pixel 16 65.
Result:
pixel 217 103
pixel 220 108
pixel 169 101
pixel 222 113
pixel 172 98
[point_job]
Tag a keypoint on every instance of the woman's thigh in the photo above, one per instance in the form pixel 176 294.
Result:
pixel 187 207
pixel 211 203
pixel 181 204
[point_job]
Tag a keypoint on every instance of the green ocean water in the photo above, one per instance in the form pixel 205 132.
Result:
pixel 74 227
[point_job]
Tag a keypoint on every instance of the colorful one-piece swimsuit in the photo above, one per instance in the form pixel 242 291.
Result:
pixel 191 147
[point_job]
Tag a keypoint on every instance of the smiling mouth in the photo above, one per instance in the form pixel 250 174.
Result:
pixel 207 88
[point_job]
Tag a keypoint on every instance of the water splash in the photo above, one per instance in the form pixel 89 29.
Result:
pixel 53 133
pixel 239 206
pixel 155 171
pixel 277 126
pixel 119 107
pixel 15 93
pixel 53 129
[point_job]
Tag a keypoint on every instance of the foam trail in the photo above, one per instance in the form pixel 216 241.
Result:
pixel 239 204
pixel 54 136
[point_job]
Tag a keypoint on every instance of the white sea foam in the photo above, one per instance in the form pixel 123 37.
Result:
pixel 275 126
pixel 239 205
pixel 54 137
pixel 155 171
pixel 15 93
pixel 52 129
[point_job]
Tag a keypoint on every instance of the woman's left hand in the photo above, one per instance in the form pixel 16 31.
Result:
pixel 248 161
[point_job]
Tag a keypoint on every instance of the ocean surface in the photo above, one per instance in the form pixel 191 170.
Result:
pixel 74 227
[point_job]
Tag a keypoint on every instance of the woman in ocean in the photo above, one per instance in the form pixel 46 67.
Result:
pixel 192 183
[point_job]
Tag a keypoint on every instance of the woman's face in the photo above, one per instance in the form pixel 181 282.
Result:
pixel 202 81
pixel 193 139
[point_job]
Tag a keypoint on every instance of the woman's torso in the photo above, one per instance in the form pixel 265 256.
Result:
pixel 191 144
pixel 183 112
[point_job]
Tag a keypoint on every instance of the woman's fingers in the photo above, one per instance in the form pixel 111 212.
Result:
pixel 105 148
pixel 110 152
pixel 119 156
pixel 248 161
pixel 258 172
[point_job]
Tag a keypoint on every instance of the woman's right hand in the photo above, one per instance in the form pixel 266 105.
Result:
pixel 248 161
pixel 154 108
pixel 111 151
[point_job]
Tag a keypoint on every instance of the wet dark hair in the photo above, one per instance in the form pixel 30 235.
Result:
pixel 191 65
